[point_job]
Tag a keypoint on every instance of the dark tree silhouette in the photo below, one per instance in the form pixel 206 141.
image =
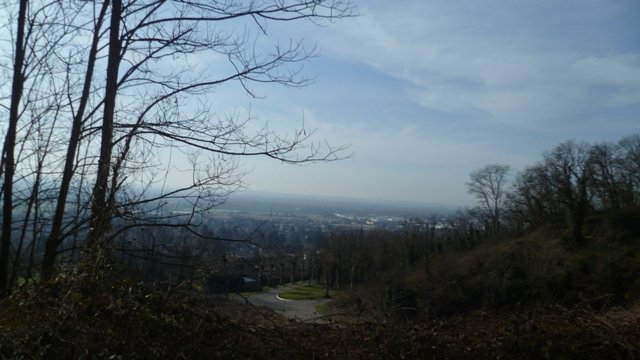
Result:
pixel 130 97
pixel 488 185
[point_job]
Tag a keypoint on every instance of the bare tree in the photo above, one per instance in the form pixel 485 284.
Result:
pixel 55 238
pixel 488 185
pixel 8 150
pixel 629 162
pixel 34 95
pixel 103 90
pixel 532 201
pixel 610 186
pixel 569 171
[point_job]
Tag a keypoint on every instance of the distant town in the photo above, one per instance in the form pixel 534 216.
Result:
pixel 296 221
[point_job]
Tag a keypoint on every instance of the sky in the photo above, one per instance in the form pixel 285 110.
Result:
pixel 426 91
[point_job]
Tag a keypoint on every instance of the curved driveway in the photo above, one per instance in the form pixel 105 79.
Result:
pixel 292 309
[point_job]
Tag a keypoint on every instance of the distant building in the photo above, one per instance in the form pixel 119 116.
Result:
pixel 238 275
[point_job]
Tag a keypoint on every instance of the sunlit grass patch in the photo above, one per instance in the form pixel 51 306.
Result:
pixel 305 292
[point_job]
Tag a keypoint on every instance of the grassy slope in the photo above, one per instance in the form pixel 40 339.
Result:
pixel 538 269
pixel 305 292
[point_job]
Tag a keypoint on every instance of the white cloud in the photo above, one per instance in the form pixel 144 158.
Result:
pixel 512 80
pixel 458 60
pixel 609 69
pixel 619 74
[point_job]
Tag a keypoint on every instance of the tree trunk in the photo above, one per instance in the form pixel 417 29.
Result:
pixel 326 283
pixel 33 200
pixel 8 150
pixel 54 239
pixel 293 269
pixel 100 213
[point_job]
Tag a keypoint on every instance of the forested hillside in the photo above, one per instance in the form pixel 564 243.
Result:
pixel 564 232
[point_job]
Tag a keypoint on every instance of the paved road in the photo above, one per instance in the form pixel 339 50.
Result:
pixel 293 309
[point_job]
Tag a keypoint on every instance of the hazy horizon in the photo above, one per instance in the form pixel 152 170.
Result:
pixel 272 194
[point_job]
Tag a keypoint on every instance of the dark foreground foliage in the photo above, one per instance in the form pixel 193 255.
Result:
pixel 81 314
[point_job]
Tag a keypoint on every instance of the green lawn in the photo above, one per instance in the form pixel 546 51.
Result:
pixel 305 292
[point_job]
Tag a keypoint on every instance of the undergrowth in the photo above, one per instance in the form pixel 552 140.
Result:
pixel 75 316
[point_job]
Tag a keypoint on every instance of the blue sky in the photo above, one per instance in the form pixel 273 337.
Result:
pixel 427 91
